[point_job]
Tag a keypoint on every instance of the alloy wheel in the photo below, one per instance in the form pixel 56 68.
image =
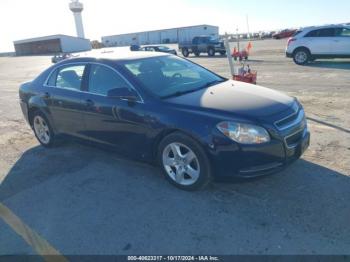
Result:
pixel 301 57
pixel 41 129
pixel 181 164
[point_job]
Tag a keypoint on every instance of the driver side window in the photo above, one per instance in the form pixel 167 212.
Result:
pixel 102 79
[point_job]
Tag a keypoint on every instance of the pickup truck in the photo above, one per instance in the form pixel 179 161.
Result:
pixel 202 44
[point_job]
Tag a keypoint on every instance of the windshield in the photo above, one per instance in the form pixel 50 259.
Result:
pixel 163 48
pixel 168 76
pixel 214 39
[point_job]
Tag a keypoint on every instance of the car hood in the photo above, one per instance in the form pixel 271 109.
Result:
pixel 237 97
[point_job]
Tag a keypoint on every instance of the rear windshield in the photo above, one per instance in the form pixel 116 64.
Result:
pixel 297 33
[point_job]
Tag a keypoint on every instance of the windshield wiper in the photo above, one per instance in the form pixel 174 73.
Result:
pixel 213 83
pixel 180 93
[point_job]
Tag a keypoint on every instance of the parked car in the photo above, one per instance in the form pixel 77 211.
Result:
pixel 135 47
pixel 203 44
pixel 158 48
pixel 284 34
pixel 60 57
pixel 163 109
pixel 311 43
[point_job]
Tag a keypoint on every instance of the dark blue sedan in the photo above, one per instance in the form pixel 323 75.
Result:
pixel 167 110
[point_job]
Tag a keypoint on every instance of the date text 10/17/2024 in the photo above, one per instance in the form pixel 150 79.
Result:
pixel 173 258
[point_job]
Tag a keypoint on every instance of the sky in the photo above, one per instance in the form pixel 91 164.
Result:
pixel 21 19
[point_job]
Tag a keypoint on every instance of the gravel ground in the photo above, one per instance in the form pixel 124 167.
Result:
pixel 83 200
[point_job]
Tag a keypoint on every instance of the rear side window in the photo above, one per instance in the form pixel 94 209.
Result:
pixel 69 77
pixel 313 33
pixel 325 32
pixel 102 79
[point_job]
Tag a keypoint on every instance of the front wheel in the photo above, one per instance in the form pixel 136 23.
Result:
pixel 301 56
pixel 184 162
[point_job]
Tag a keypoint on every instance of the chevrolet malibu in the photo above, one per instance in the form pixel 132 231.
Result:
pixel 162 109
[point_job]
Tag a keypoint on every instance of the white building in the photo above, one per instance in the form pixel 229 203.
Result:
pixel 172 35
pixel 51 44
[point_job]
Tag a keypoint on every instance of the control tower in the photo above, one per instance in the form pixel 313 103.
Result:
pixel 76 7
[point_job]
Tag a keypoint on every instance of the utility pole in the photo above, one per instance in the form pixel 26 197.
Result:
pixel 247 18
pixel 228 54
pixel 237 35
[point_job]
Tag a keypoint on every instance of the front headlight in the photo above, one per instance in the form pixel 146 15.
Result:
pixel 244 133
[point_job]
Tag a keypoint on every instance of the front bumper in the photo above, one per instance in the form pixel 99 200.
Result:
pixel 250 161
pixel 289 55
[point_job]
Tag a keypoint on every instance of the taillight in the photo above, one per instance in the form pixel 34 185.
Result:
pixel 290 40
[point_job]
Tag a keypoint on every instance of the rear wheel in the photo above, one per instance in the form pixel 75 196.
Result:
pixel 184 162
pixel 185 52
pixel 301 56
pixel 42 129
pixel 211 52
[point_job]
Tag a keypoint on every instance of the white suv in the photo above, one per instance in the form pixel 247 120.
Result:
pixel 310 43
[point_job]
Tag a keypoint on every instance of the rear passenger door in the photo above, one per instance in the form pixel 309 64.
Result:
pixel 64 98
pixel 320 42
pixel 203 44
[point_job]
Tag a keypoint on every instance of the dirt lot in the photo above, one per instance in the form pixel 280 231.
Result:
pixel 83 200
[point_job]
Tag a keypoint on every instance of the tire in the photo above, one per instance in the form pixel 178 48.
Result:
pixel 185 52
pixel 211 52
pixel 42 129
pixel 246 58
pixel 301 56
pixel 189 174
pixel 223 53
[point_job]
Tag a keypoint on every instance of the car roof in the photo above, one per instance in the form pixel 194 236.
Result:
pixel 152 45
pixel 117 54
pixel 324 26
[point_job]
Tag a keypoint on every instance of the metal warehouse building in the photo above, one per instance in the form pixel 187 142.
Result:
pixel 172 35
pixel 51 44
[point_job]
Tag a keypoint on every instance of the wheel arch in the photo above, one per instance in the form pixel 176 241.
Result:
pixel 36 103
pixel 300 48
pixel 163 134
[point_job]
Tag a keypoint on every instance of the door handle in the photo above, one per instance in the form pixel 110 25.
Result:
pixel 89 103
pixel 46 95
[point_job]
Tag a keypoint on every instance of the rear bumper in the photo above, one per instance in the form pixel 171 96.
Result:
pixel 258 160
pixel 24 109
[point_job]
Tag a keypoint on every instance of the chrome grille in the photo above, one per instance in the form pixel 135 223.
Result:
pixel 291 120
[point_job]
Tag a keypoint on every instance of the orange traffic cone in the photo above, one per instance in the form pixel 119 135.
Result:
pixel 249 47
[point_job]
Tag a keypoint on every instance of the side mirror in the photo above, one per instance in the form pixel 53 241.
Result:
pixel 123 93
